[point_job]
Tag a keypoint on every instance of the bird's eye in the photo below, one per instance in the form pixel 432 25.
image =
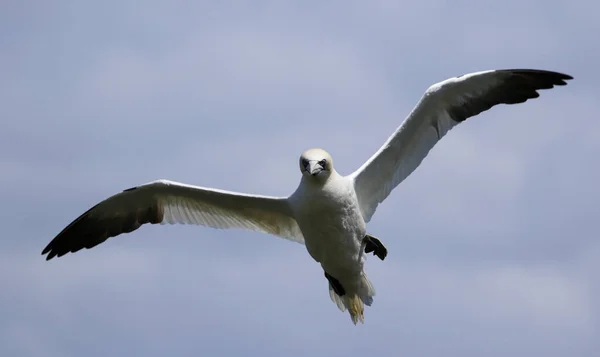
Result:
pixel 322 162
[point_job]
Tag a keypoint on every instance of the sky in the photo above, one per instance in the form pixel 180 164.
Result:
pixel 493 244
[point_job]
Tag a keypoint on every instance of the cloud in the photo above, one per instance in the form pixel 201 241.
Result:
pixel 492 239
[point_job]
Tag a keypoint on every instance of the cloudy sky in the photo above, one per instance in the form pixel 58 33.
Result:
pixel 493 243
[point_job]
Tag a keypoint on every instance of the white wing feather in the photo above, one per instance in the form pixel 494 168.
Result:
pixel 169 202
pixel 443 106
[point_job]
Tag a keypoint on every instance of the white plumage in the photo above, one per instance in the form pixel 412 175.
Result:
pixel 328 212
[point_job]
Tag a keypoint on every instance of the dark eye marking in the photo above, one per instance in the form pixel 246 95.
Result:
pixel 323 162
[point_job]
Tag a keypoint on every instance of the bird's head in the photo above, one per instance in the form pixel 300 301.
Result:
pixel 316 164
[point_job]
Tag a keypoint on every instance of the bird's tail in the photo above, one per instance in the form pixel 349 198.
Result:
pixel 356 297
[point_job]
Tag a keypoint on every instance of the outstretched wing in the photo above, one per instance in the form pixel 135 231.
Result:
pixel 169 202
pixel 443 106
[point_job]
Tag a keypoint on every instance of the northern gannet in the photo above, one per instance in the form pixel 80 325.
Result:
pixel 328 212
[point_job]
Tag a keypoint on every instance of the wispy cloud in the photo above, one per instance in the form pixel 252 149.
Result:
pixel 492 240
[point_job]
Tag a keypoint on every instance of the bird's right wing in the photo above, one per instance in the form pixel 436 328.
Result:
pixel 443 106
pixel 169 202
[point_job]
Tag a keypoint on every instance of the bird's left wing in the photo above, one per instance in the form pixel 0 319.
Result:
pixel 169 202
pixel 443 106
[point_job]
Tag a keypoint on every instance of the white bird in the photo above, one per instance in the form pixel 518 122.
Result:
pixel 328 212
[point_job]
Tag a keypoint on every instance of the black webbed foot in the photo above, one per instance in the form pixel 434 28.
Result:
pixel 374 245
pixel 335 284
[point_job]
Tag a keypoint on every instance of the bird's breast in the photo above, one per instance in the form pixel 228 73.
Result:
pixel 331 223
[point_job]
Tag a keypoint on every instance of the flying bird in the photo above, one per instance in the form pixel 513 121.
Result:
pixel 328 212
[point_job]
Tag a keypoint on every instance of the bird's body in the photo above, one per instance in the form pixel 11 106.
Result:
pixel 328 212
pixel 329 217
pixel 330 220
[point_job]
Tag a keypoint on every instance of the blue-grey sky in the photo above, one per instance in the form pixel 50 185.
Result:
pixel 493 243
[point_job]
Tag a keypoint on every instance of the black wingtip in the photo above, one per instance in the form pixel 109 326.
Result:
pixel 89 230
pixel 557 78
pixel 558 75
pixel 49 251
pixel 46 251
